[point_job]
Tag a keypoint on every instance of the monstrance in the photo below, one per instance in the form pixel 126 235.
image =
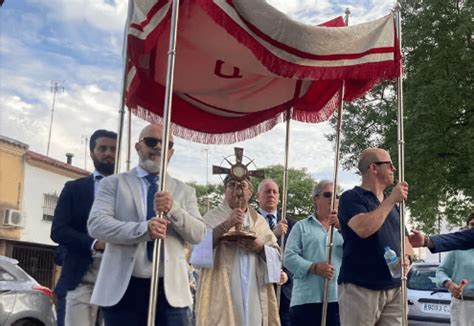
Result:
pixel 240 173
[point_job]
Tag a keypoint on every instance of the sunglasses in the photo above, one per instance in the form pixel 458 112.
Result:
pixel 327 194
pixel 153 142
pixel 384 162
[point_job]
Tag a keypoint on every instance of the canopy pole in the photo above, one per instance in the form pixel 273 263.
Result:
pixel 124 90
pixel 121 119
pixel 401 168
pixel 284 199
pixel 164 156
pixel 129 140
pixel 330 241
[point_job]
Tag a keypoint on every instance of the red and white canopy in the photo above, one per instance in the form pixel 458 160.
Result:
pixel 241 64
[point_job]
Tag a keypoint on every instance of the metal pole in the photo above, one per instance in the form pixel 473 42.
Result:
pixel 164 155
pixel 121 117
pixel 334 192
pixel 129 140
pixel 284 199
pixel 55 88
pixel 124 89
pixel 85 139
pixel 401 169
pixel 207 180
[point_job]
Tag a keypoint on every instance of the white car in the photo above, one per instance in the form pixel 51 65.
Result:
pixel 426 302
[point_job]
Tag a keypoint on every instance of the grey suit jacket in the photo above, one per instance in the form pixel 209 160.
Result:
pixel 117 217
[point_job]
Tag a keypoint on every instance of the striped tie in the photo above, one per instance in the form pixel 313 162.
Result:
pixel 270 219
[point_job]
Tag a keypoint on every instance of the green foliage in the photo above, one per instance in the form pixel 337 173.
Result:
pixel 439 107
pixel 300 185
pixel 208 196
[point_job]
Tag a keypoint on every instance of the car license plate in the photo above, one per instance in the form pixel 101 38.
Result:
pixel 435 308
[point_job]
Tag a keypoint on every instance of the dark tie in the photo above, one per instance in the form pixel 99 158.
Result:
pixel 98 177
pixel 271 223
pixel 150 209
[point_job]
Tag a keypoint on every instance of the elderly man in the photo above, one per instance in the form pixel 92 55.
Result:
pixel 268 197
pixel 456 273
pixel 236 289
pixel 124 216
pixel 306 258
pixel 370 222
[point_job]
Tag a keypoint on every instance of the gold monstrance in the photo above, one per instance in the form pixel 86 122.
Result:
pixel 239 173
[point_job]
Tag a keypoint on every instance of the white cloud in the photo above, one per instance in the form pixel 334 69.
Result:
pixel 316 11
pixel 101 14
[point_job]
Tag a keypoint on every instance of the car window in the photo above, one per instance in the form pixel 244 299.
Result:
pixel 422 278
pixel 6 276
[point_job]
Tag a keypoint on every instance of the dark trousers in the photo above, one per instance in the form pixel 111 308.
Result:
pixel 60 309
pixel 284 310
pixel 310 314
pixel 132 309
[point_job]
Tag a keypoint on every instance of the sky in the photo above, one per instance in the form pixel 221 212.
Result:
pixel 78 44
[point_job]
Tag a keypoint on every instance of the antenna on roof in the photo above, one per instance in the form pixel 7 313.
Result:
pixel 55 88
pixel 85 141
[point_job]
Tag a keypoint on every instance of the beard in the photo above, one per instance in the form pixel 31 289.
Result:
pixel 149 165
pixel 104 167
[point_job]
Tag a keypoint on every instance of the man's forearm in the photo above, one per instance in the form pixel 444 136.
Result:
pixel 462 240
pixel 366 224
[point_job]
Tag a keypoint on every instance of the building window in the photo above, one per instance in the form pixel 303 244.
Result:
pixel 50 201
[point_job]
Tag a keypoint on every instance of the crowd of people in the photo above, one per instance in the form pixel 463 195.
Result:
pixel 106 225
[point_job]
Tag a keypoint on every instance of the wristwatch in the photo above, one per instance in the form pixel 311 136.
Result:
pixel 427 242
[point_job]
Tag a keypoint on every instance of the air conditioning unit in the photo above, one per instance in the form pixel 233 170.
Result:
pixel 12 217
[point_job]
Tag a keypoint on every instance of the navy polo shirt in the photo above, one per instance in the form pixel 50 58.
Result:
pixel 363 263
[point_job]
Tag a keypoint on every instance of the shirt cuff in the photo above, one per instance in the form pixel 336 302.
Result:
pixel 175 216
pixel 93 251
pixel 143 234
pixel 306 267
pixel 443 279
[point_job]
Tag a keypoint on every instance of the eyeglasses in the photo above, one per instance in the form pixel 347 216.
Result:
pixel 152 142
pixel 384 162
pixel 234 184
pixel 327 194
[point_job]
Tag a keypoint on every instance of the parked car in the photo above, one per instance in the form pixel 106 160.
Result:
pixel 426 302
pixel 23 301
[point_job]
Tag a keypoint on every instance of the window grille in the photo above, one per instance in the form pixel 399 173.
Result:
pixel 50 201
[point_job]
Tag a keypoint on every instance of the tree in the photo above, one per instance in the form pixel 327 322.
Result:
pixel 300 185
pixel 208 196
pixel 439 100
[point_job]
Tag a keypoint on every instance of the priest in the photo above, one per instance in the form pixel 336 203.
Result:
pixel 235 285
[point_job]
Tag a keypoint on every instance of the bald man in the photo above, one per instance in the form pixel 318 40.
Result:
pixel 124 215
pixel 370 222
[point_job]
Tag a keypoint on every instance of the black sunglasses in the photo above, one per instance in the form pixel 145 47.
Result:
pixel 153 142
pixel 327 194
pixel 384 162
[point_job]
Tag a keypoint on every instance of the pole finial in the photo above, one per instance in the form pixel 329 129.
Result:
pixel 397 7
pixel 347 11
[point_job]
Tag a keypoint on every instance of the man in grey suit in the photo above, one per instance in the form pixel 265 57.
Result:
pixel 123 215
